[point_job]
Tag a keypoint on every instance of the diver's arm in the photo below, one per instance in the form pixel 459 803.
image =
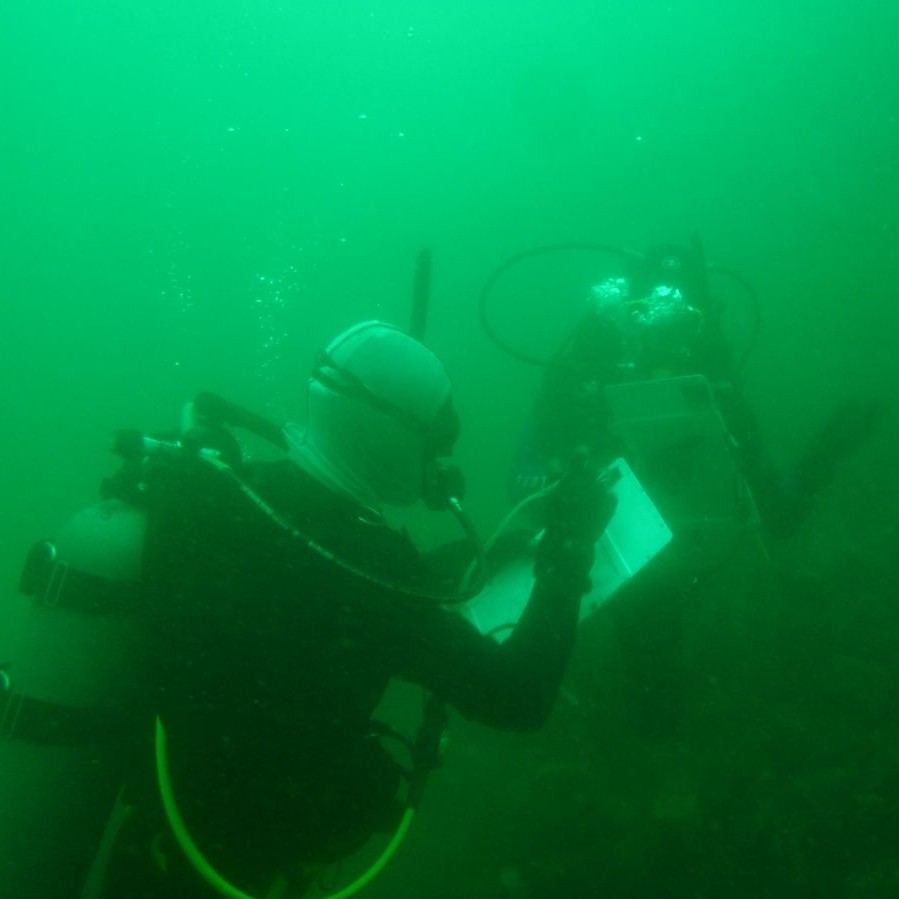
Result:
pixel 786 499
pixel 790 498
pixel 513 685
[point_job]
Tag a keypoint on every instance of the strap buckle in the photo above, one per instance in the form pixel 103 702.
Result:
pixel 43 575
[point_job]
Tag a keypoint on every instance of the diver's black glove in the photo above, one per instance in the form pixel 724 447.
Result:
pixel 577 511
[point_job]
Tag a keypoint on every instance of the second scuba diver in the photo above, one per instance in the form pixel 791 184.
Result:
pixel 659 320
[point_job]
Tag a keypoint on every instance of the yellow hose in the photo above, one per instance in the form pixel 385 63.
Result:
pixel 204 868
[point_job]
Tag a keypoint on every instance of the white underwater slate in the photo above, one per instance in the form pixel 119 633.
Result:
pixel 635 535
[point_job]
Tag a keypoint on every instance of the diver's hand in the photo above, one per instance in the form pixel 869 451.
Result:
pixel 577 511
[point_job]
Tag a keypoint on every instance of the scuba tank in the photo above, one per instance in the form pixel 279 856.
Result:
pixel 69 693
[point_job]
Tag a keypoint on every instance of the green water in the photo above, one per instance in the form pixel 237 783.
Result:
pixel 196 195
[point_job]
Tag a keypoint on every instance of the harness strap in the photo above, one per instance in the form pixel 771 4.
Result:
pixel 56 584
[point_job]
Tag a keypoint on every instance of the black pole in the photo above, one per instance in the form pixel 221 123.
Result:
pixel 421 295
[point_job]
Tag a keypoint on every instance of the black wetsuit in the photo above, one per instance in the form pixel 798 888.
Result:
pixel 271 660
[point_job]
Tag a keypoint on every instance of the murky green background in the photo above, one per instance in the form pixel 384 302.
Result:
pixel 196 195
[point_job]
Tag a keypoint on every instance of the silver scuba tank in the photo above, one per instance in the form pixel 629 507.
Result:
pixel 71 692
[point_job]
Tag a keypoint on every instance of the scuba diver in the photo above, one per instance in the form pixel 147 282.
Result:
pixel 276 604
pixel 657 324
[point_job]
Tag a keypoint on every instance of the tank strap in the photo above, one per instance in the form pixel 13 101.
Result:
pixel 56 585
pixel 38 721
